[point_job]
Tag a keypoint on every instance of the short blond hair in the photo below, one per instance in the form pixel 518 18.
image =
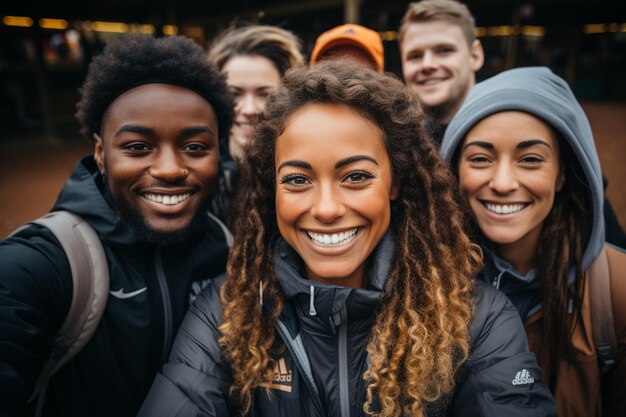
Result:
pixel 278 45
pixel 430 10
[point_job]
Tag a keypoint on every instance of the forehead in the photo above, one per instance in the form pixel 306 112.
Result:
pixel 251 69
pixel 328 131
pixel 157 105
pixel 351 52
pixel 511 127
pixel 431 33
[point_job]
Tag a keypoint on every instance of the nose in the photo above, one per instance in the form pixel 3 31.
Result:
pixel 328 205
pixel 504 179
pixel 249 105
pixel 168 166
pixel 429 61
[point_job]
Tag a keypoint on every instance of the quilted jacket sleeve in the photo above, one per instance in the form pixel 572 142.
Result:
pixel 502 377
pixel 35 294
pixel 195 381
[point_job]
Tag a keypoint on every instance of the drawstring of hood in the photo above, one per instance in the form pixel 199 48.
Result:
pixel 261 293
pixel 496 280
pixel 312 311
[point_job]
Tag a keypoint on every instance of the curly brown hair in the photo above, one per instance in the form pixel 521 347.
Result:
pixel 421 331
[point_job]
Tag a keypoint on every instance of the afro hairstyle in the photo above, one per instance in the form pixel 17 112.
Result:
pixel 134 60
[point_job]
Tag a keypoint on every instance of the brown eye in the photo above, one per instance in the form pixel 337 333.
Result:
pixel 294 180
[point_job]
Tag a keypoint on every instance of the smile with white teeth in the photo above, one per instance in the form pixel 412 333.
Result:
pixel 166 199
pixel 333 240
pixel 504 208
pixel 430 82
pixel 245 125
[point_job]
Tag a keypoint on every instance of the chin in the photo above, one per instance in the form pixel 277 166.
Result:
pixel 502 237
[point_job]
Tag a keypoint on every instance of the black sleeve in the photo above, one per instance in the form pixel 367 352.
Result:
pixel 35 295
pixel 502 377
pixel 195 381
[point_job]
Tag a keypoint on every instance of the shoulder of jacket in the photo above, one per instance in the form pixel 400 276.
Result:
pixel 487 298
pixel 489 305
pixel 209 297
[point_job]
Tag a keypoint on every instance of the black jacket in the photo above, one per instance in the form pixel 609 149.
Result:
pixel 112 374
pixel 325 329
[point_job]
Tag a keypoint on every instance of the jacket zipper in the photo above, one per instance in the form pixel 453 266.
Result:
pixel 296 352
pixel 344 392
pixel 167 305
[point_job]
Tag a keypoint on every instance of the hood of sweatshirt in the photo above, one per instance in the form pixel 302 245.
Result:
pixel 537 91
pixel 82 194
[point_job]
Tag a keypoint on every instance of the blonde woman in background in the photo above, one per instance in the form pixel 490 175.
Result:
pixel 254 58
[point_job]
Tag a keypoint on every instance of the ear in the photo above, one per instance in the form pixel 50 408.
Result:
pixel 394 192
pixel 477 55
pixel 560 180
pixel 98 152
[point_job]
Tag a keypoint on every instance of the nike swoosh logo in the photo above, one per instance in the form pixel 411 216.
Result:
pixel 124 295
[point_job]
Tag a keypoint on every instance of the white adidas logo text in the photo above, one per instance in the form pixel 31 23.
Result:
pixel 523 377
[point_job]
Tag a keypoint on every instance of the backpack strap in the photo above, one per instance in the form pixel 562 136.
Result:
pixel 227 235
pixel 90 286
pixel 603 327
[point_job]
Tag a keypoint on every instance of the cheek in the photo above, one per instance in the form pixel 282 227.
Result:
pixel 466 182
pixel 375 206
pixel 263 103
pixel 288 207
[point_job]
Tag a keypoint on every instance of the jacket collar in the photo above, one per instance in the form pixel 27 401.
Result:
pixel 322 302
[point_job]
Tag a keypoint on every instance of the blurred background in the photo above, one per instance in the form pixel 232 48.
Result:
pixel 45 48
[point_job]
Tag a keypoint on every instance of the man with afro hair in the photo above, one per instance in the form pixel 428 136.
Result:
pixel 154 109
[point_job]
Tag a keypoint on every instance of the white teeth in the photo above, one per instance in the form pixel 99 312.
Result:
pixel 333 240
pixel 168 200
pixel 504 208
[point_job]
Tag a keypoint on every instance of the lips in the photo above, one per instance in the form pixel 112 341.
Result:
pixel 245 128
pixel 167 199
pixel 430 81
pixel 505 208
pixel 334 240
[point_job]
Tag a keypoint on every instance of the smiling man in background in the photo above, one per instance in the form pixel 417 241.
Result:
pixel 440 56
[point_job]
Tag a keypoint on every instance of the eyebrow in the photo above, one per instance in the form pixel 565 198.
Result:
pixel 340 164
pixel 294 163
pixel 134 129
pixel 351 159
pixel 533 142
pixel 522 145
pixel 187 131
pixel 478 143
pixel 194 130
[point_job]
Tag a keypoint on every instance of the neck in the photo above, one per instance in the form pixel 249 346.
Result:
pixel 443 114
pixel 522 254
pixel 521 262
pixel 355 280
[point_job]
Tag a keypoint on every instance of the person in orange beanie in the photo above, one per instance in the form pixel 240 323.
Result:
pixel 350 41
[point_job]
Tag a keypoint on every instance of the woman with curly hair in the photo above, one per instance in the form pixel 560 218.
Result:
pixel 349 290
pixel 528 168
pixel 254 59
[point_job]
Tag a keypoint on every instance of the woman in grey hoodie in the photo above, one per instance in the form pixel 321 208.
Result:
pixel 524 154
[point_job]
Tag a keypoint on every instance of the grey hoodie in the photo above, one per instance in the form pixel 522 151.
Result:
pixel 538 91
